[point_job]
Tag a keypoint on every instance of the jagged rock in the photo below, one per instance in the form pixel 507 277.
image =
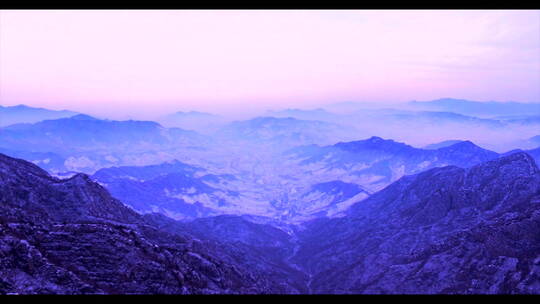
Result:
pixel 446 230
pixel 70 237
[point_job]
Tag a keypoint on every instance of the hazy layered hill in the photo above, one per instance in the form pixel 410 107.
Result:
pixel 445 230
pixel 405 122
pixel 442 144
pixel 394 116
pixel 87 144
pixel 375 162
pixel 304 183
pixel 438 117
pixel 175 189
pixel 535 140
pixel 327 199
pixel 477 108
pixel 534 153
pixel 70 237
pixel 47 160
pixel 25 114
pixel 205 123
pixel 316 114
pixel 282 132
pixel 86 133
pixel 182 191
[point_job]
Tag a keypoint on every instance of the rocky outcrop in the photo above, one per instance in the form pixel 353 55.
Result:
pixel 70 237
pixel 446 230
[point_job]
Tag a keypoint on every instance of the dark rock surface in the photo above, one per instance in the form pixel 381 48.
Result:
pixel 70 236
pixel 258 244
pixel 446 230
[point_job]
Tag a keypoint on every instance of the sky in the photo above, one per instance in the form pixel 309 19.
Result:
pixel 147 63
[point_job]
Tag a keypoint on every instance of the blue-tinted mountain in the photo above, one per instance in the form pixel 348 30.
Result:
pixel 443 117
pixel 193 120
pixel 85 132
pixel 376 162
pixel 258 243
pixel 316 114
pixel 46 160
pixel 442 144
pixel 327 198
pixel 340 189
pixel 525 120
pixel 353 106
pixel 25 114
pixel 143 173
pixel 534 153
pixel 281 131
pixel 476 108
pixel 465 154
pixel 535 140
pixel 69 236
pixel 446 230
pixel 175 189
pixel 398 116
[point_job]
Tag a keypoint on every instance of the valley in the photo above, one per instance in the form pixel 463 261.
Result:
pixel 267 205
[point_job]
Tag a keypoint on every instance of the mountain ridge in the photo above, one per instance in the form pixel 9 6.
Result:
pixel 70 237
pixel 424 234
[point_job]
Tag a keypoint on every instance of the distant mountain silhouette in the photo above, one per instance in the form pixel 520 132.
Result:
pixel 379 161
pixel 25 114
pixel 86 132
pixel 467 107
pixel 442 144
pixel 280 131
pixel 193 120
pixel 316 114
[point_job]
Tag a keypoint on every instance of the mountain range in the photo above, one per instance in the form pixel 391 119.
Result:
pixel 444 230
pixel 282 132
pixel 290 202
pixel 477 108
pixel 70 236
pixel 25 114
pixel 86 143
pixel 83 132
pixel 375 162
pixel 205 123
pixel 169 188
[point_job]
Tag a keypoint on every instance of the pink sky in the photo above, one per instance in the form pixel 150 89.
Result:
pixel 146 63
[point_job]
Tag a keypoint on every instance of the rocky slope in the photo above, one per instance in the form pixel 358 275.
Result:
pixel 446 230
pixel 175 189
pixel 375 162
pixel 259 243
pixel 70 236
